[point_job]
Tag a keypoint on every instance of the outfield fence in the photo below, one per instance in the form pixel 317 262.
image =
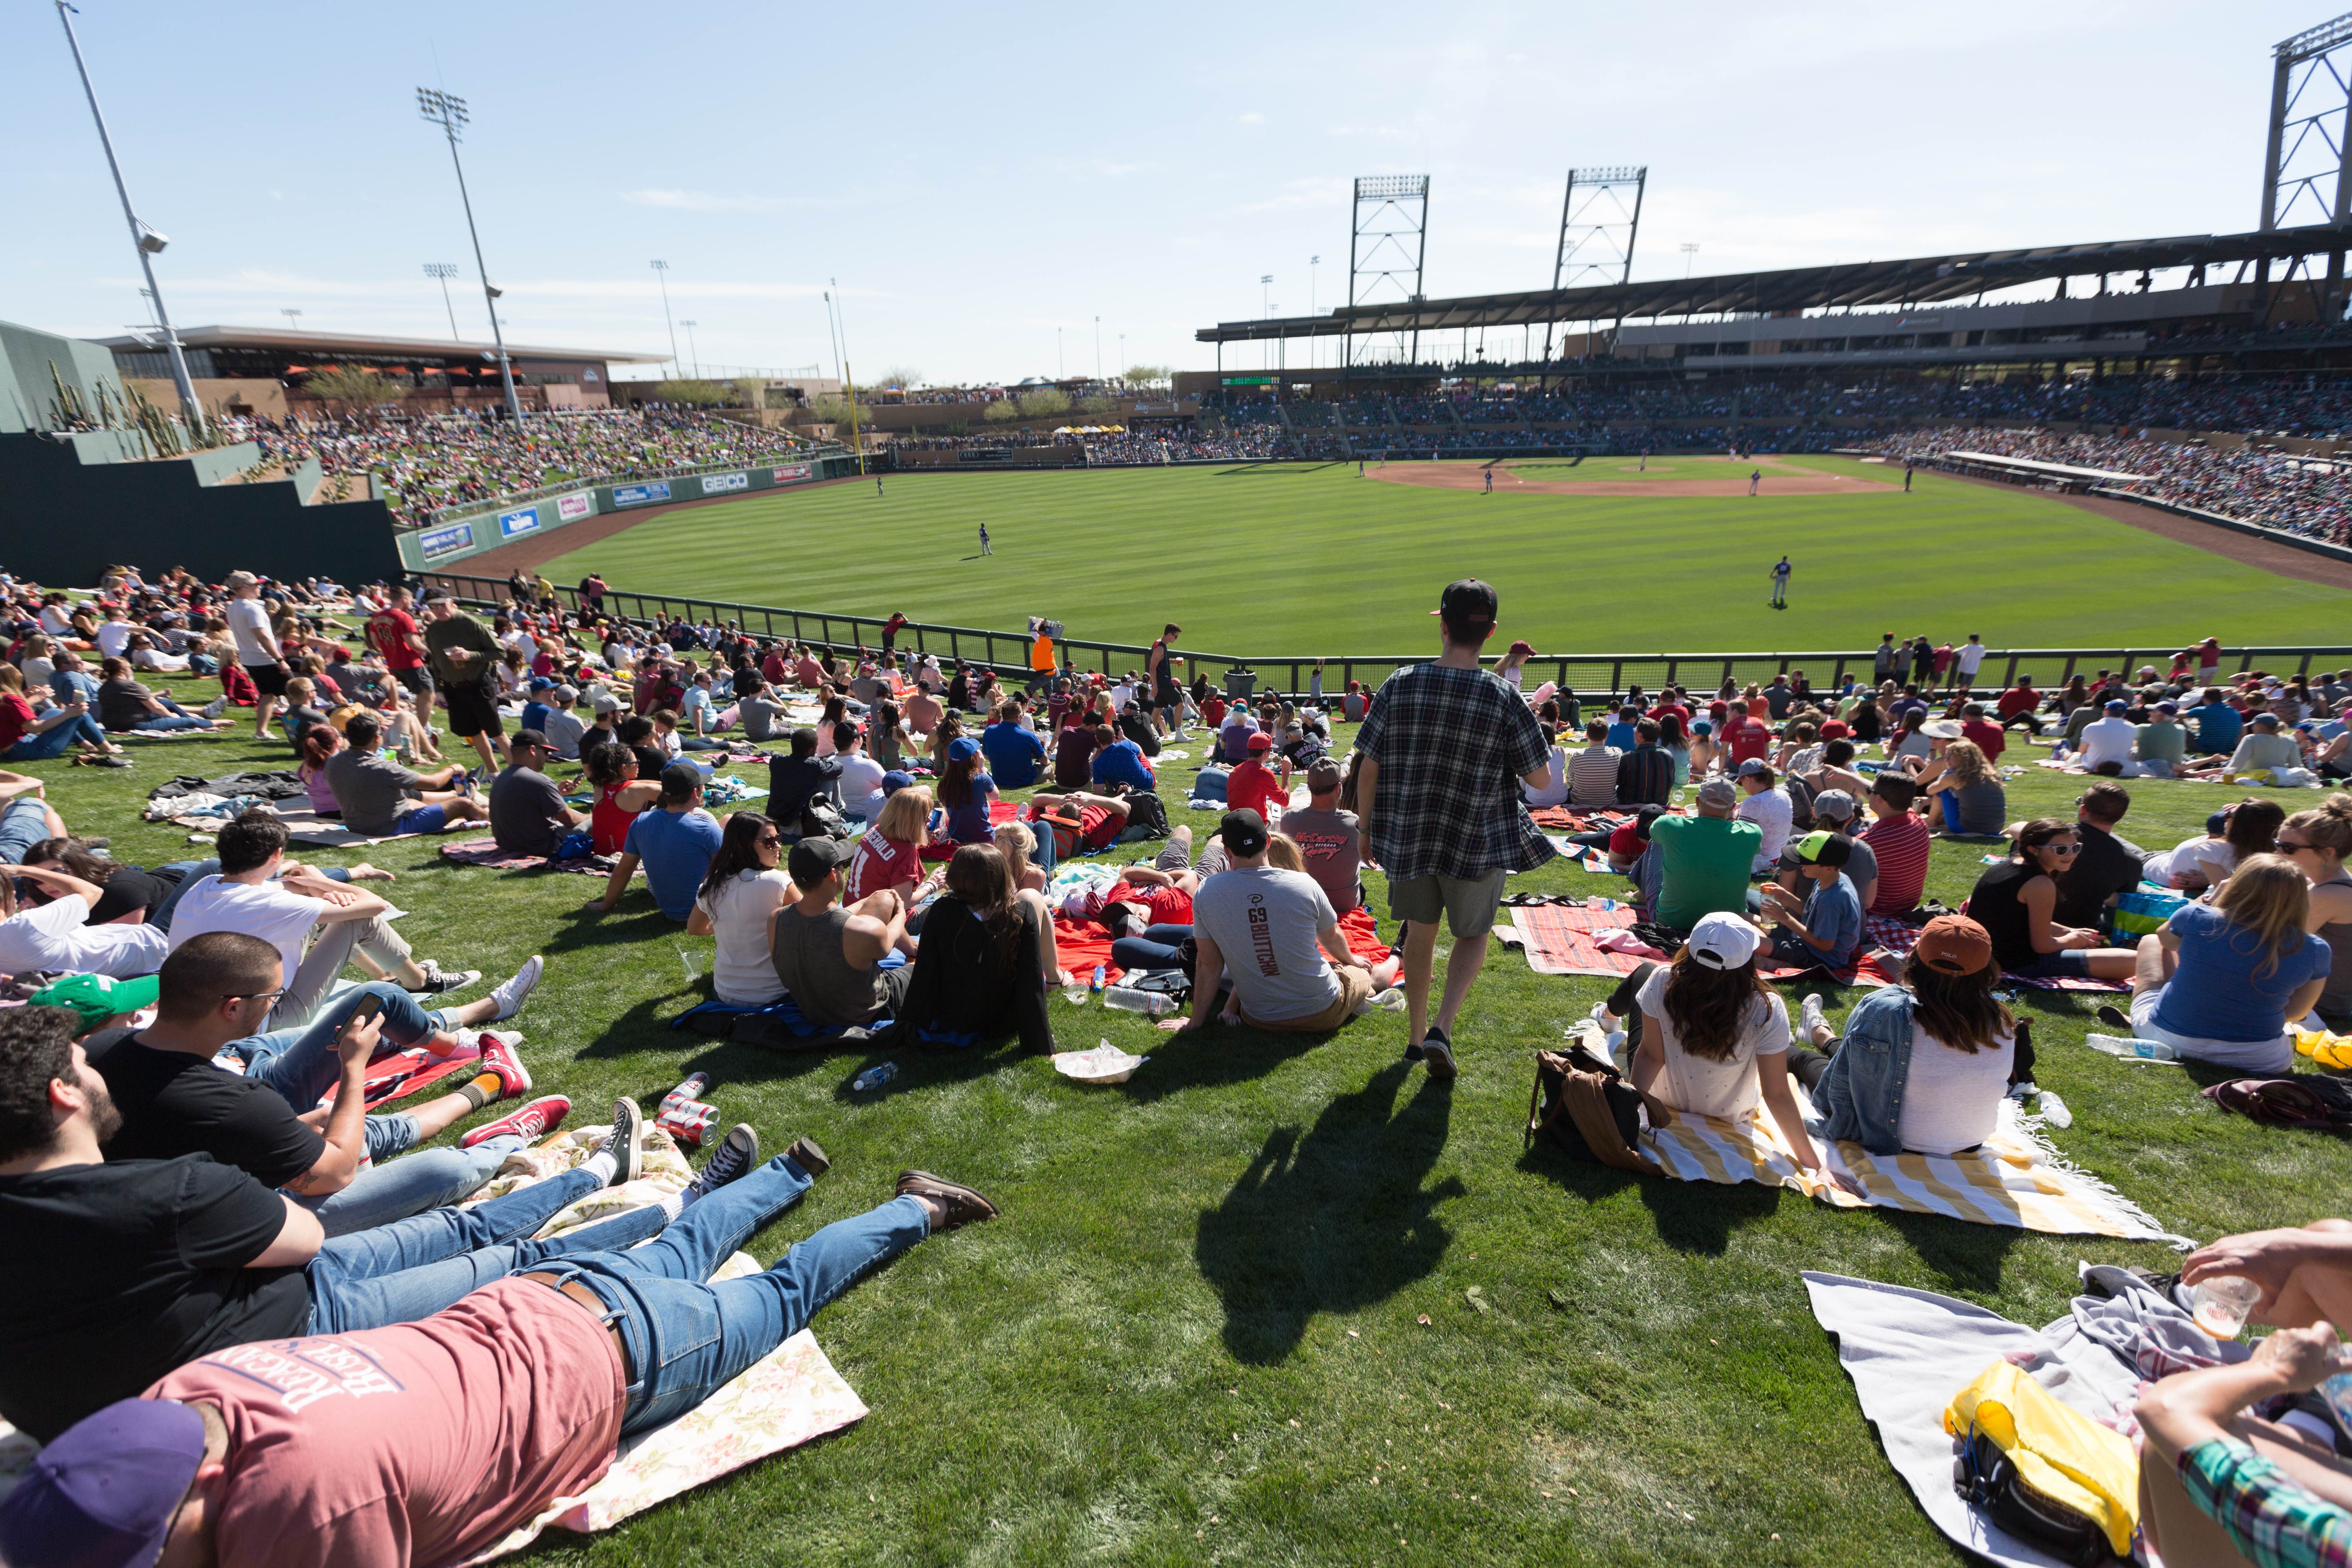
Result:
pixel 1586 674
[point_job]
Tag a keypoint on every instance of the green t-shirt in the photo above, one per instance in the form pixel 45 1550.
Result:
pixel 1705 862
pixel 2163 741
pixel 460 630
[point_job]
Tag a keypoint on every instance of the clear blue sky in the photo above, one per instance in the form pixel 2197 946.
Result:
pixel 978 177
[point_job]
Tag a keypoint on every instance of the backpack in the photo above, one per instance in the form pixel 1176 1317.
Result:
pixel 1984 1476
pixel 1147 811
pixel 2042 1470
pixel 1583 1104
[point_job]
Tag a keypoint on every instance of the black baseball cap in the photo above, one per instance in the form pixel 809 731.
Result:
pixel 1468 602
pixel 812 860
pixel 1244 833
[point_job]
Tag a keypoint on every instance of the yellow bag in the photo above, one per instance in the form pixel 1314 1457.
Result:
pixel 2328 1050
pixel 2059 1453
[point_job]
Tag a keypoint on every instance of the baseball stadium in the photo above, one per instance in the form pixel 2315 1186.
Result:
pixel 1720 935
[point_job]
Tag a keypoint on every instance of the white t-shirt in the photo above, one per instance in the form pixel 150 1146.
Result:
pixel 1265 921
pixel 1951 1100
pixel 1120 696
pixel 113 636
pixel 248 622
pixel 745 973
pixel 1770 810
pixel 1555 791
pixel 2211 858
pixel 1727 1089
pixel 54 937
pixel 266 909
pixel 2109 739
pixel 1968 657
pixel 861 785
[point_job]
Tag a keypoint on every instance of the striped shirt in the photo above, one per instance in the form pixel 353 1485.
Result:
pixel 1901 843
pixel 1592 776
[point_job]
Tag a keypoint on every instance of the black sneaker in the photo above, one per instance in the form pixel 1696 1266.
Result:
pixel 1437 1055
pixel 628 1145
pixel 737 1152
pixel 438 980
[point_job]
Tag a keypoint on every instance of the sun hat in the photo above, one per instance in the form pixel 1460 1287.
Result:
pixel 1955 944
pixel 1940 729
pixel 1723 940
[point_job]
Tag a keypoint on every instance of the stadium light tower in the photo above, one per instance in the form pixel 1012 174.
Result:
pixel 661 275
pixel 2307 162
pixel 692 352
pixel 147 241
pixel 1597 230
pixel 447 110
pixel 1388 241
pixel 445 270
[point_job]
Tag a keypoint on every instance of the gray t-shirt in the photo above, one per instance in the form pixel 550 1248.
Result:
pixel 759 713
pixel 527 811
pixel 564 731
pixel 1331 844
pixel 371 788
pixel 1265 922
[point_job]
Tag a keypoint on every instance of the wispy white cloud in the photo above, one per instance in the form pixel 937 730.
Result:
pixel 1250 118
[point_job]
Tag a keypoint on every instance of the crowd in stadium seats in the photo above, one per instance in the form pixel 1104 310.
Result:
pixel 444 459
pixel 222 1246
pixel 2277 489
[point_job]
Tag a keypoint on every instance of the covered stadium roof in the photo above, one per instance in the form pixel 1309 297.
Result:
pixel 361 346
pixel 1918 281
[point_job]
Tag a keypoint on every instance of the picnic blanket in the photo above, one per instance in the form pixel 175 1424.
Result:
pixel 1908 1351
pixel 404 1073
pixel 1899 937
pixel 486 852
pixel 1559 939
pixel 2018 1178
pixel 1561 820
pixel 304 825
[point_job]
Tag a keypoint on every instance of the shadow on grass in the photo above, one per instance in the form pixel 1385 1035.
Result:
pixel 1332 1221
pixel 1223 1054
pixel 1690 1217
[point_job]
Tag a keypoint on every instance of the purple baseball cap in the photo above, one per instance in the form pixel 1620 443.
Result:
pixel 103 1495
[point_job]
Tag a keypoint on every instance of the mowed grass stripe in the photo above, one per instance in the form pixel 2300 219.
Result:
pixel 1263 559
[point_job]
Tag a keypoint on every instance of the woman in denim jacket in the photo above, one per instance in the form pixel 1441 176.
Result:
pixel 1876 1090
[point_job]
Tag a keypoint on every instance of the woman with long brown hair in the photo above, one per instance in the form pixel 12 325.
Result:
pixel 2014 903
pixel 2220 980
pixel 2319 841
pixel 981 967
pixel 1709 1037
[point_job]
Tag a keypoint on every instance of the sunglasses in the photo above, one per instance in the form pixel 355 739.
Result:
pixel 2293 844
pixel 769 840
pixel 2062 848
pixel 255 996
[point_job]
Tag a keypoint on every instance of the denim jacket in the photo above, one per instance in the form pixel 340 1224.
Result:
pixel 1860 1097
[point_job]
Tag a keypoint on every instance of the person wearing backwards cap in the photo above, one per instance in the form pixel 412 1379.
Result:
pixel 1445 747
pixel 1924 1065
pixel 1704 861
pixel 1267 932
pixel 1826 927
pixel 829 953
pixel 1709 1036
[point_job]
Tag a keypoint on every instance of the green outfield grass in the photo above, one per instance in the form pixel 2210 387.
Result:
pixel 1197 1334
pixel 1282 559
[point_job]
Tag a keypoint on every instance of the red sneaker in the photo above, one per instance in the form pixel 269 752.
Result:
pixel 500 1056
pixel 532 1122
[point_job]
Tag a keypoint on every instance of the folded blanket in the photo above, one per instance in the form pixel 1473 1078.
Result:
pixel 1561 819
pixel 2018 1178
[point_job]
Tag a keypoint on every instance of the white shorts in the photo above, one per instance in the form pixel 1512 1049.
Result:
pixel 2254 1056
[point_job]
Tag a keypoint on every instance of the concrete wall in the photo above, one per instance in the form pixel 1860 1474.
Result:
pixel 27 389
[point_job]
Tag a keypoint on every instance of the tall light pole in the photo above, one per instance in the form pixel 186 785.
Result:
pixel 445 270
pixel 1690 254
pixel 661 275
pixel 1061 366
pixel 1098 348
pixel 695 353
pixel 147 242
pixel 1312 263
pixel 291 317
pixel 1265 312
pixel 848 381
pixel 1122 357
pixel 447 110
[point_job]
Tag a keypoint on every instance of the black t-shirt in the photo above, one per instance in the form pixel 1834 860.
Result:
pixel 120 1272
pixel 130 888
pixel 2108 866
pixel 174 1104
pixel 793 782
pixel 651 761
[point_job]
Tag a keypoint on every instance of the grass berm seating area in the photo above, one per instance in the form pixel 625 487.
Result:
pixel 1227 1314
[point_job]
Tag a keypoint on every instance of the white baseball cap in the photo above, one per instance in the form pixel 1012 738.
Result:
pixel 1722 940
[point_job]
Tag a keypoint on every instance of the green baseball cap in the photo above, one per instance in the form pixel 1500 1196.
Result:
pixel 96 998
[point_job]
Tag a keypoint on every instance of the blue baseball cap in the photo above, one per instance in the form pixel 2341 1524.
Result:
pixel 962 748
pixel 104 1494
pixel 896 780
pixel 541 683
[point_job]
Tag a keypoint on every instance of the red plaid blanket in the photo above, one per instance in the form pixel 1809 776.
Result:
pixel 1900 936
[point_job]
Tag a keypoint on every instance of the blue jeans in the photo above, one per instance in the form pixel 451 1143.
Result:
pixel 158 723
pixel 23 824
pixel 54 741
pixel 412 1268
pixel 390 1189
pixel 687 1338
pixel 191 873
pixel 1209 785
pixel 1154 947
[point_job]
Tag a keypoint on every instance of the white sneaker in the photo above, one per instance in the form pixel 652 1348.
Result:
pixel 516 988
pixel 1391 1000
pixel 1809 1018
pixel 216 708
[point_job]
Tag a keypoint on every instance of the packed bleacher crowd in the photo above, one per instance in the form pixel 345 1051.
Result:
pixel 440 460
pixel 2287 491
pixel 235 1245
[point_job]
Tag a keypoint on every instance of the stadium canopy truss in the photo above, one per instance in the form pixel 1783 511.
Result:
pixel 1860 285
pixel 1387 246
pixel 1597 233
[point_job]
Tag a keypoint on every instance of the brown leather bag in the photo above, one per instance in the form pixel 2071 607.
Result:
pixel 1583 1104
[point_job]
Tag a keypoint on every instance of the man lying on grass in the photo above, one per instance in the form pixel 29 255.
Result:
pixel 429 1441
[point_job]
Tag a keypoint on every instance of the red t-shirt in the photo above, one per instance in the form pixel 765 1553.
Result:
pixel 2017 699
pixel 1745 738
pixel 425 1444
pixel 1213 711
pixel 882 863
pixel 1097 827
pixel 1252 787
pixel 1625 840
pixel 1990 737
pixel 1676 709
pixel 388 631
pixel 1169 905
pixel 1901 844
pixel 17 717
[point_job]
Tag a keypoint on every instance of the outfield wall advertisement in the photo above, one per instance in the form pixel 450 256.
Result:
pixel 454 541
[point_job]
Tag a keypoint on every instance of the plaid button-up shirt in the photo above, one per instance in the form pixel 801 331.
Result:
pixel 1451 745
pixel 2273 1520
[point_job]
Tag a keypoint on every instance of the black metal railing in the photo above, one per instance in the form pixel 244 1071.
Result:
pixel 1585 675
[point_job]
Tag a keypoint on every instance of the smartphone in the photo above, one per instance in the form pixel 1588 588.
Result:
pixel 370 1007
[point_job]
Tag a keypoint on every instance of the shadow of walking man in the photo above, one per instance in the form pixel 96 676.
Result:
pixel 1333 1221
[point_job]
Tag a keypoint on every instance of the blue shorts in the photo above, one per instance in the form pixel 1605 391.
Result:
pixel 23 824
pixel 422 819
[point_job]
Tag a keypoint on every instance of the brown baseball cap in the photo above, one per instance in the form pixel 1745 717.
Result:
pixel 1955 944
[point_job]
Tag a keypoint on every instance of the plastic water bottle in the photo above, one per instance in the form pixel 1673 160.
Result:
pixel 1604 906
pixel 2054 1109
pixel 1096 987
pixel 874 1076
pixel 1127 999
pixel 2132 1049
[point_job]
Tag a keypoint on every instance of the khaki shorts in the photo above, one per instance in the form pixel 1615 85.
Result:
pixel 1355 989
pixel 1468 905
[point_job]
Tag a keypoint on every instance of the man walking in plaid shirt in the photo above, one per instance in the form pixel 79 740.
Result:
pixel 1446 746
